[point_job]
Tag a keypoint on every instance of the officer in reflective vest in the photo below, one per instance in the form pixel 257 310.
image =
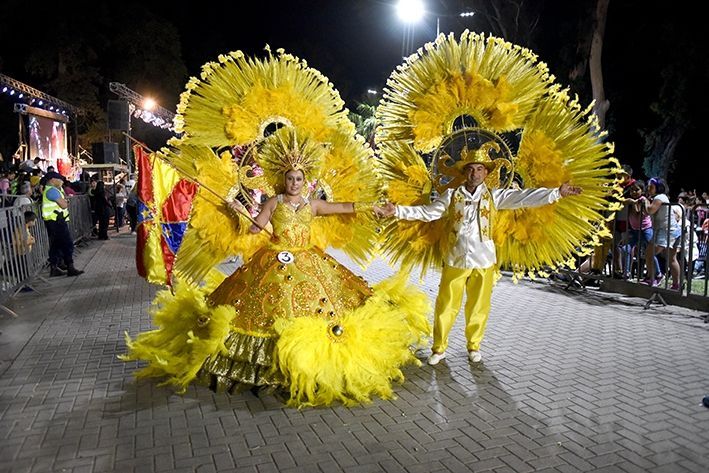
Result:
pixel 55 213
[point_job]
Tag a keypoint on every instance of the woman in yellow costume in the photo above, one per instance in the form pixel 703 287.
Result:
pixel 291 317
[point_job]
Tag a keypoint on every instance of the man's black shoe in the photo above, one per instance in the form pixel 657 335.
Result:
pixel 72 271
pixel 55 271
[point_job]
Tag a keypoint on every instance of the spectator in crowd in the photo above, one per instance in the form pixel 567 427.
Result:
pixel 31 164
pixel 68 189
pixel 666 233
pixel 93 182
pixel 103 210
pixel 24 240
pixel 132 209
pixel 640 232
pixel 35 177
pixel 12 177
pixel 621 223
pixel 25 197
pixel 130 184
pixel 121 198
pixel 702 240
pixel 681 212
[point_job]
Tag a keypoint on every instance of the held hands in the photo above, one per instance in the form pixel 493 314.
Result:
pixel 386 210
pixel 567 189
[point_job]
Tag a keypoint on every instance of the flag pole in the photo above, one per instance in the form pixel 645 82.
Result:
pixel 196 181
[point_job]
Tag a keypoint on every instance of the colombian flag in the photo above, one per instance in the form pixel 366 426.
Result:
pixel 164 204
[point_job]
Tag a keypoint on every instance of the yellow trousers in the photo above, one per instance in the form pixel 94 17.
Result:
pixel 477 284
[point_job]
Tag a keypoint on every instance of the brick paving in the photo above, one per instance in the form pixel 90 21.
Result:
pixel 570 382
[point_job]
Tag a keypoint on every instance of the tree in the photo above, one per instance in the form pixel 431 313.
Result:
pixel 365 121
pixel 77 52
pixel 680 104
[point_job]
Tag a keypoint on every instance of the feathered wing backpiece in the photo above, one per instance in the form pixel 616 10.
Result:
pixel 559 144
pixel 491 90
pixel 412 243
pixel 238 98
pixel 350 174
pixel 235 105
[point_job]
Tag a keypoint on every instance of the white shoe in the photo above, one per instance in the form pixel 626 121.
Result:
pixel 435 358
pixel 475 356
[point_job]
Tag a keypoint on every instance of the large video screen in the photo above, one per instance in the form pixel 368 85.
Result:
pixel 48 141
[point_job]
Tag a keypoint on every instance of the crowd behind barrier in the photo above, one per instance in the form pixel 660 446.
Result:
pixel 679 263
pixel 24 247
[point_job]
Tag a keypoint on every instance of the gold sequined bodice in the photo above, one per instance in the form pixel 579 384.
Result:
pixel 291 227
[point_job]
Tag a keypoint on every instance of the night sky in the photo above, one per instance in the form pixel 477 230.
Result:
pixel 357 44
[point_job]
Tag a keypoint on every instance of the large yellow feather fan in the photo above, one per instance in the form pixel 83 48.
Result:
pixel 560 143
pixel 349 174
pixel 490 79
pixel 410 243
pixel 238 98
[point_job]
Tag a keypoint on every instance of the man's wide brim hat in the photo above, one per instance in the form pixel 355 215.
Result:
pixel 478 156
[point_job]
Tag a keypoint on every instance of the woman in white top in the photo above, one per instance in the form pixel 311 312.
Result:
pixel 25 197
pixel 121 198
pixel 666 233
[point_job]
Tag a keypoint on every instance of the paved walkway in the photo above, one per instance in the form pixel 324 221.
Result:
pixel 569 383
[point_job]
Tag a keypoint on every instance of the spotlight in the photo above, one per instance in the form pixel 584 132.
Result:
pixel 4 89
pixel 40 102
pixel 12 92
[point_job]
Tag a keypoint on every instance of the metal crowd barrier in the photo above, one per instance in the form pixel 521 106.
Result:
pixel 21 262
pixel 618 267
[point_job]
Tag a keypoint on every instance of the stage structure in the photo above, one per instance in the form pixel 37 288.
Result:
pixel 133 104
pixel 42 126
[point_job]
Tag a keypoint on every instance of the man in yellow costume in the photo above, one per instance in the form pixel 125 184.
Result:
pixel 470 257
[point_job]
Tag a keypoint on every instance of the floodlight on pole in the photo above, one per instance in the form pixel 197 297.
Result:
pixel 149 103
pixel 410 12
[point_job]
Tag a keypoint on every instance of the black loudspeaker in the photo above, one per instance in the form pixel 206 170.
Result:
pixel 118 115
pixel 105 153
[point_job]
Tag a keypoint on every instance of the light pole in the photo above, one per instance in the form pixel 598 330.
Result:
pixel 410 12
pixel 466 14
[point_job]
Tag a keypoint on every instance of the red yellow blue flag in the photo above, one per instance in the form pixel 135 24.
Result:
pixel 164 204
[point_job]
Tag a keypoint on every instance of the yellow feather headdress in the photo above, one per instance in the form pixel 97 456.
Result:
pixel 287 150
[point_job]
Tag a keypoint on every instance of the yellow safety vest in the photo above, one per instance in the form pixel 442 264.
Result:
pixel 50 209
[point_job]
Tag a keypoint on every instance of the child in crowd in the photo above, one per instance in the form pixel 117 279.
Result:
pixel 640 227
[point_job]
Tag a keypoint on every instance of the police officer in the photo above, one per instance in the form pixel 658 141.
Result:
pixel 55 213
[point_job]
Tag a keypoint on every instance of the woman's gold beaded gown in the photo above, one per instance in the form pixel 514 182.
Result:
pixel 265 289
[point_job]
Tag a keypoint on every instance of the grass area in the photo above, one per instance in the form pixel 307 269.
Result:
pixel 698 287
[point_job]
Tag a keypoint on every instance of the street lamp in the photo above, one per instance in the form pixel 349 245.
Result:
pixel 410 12
pixel 465 14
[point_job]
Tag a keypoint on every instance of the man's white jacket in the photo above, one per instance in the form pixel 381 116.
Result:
pixel 471 215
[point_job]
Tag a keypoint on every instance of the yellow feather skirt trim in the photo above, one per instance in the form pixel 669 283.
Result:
pixel 189 331
pixel 357 356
